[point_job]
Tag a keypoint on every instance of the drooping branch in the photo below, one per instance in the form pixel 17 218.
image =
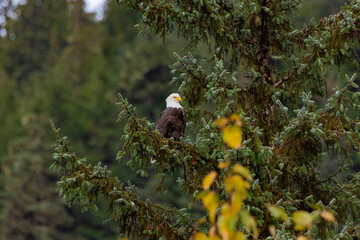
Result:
pixel 345 24
pixel 83 184
pixel 226 26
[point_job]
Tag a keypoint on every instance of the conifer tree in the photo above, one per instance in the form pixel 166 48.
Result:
pixel 80 75
pixel 29 206
pixel 9 116
pixel 34 38
pixel 285 134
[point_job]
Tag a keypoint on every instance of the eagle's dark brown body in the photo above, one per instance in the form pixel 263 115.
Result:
pixel 172 123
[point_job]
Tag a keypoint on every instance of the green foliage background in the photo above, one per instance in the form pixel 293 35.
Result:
pixel 57 62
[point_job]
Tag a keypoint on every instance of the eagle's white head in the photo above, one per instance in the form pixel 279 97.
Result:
pixel 173 101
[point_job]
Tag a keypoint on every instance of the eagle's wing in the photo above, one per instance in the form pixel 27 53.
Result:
pixel 161 123
pixel 182 123
pixel 172 123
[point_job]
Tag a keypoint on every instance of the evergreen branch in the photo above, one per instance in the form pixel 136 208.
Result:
pixel 203 22
pixel 337 34
pixel 336 23
pixel 128 109
pixel 334 174
pixel 302 139
pixel 82 183
pixel 347 197
pixel 355 54
pixel 144 144
pixel 199 84
pixel 56 131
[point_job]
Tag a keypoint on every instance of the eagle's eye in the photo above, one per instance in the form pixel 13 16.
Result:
pixel 178 98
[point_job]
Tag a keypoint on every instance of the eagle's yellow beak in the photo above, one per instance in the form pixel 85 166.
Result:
pixel 178 98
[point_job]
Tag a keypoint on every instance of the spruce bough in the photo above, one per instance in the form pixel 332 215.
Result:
pixel 286 134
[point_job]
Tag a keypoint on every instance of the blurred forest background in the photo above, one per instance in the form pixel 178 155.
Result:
pixel 59 62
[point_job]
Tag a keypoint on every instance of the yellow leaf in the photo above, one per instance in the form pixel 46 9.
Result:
pixel 223 227
pixel 253 227
pixel 316 207
pixel 210 202
pixel 232 136
pixel 200 236
pixel 237 201
pixel 212 231
pixel 302 220
pixel 278 212
pixel 238 183
pixel 245 172
pixel 236 118
pixel 201 221
pixel 240 236
pixel 272 231
pixel 225 209
pixel 209 199
pixel 250 223
pixel 212 212
pixel 225 164
pixel 328 216
pixel 221 122
pixel 209 179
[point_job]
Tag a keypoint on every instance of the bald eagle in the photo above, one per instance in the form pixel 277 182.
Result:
pixel 172 121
